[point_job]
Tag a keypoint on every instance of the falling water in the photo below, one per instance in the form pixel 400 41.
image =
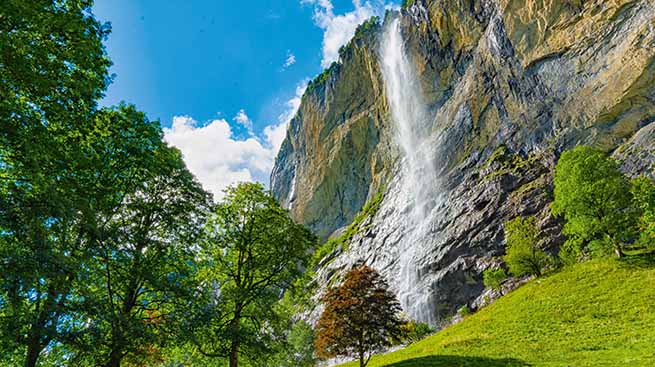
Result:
pixel 412 128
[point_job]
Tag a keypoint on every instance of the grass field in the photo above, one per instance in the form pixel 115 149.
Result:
pixel 598 313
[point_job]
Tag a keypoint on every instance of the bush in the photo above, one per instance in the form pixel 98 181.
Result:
pixel 464 311
pixel 414 331
pixel 493 278
pixel 643 192
pixel 523 255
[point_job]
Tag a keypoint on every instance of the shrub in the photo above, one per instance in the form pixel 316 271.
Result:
pixel 643 192
pixel 370 209
pixel 414 331
pixel 493 278
pixel 523 255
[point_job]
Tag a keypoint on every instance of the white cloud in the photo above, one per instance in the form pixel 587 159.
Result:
pixel 244 120
pixel 339 29
pixel 290 60
pixel 218 159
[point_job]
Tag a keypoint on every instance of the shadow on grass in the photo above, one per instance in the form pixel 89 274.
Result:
pixel 459 361
pixel 641 260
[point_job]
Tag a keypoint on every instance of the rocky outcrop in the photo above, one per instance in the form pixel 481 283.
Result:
pixel 509 84
pixel 637 155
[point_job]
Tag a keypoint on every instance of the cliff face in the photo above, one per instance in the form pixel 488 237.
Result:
pixel 507 85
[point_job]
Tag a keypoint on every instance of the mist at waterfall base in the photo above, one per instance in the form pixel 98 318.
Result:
pixel 418 185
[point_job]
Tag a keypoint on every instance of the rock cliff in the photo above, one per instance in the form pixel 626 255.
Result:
pixel 507 85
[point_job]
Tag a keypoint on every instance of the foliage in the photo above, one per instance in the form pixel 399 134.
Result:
pixel 143 250
pixel 369 210
pixel 464 311
pixel 252 252
pixel 643 193
pixel 407 3
pixel 594 198
pixel 322 78
pixel 53 68
pixel 414 331
pixel 360 317
pixel 370 25
pixel 494 278
pixel 298 351
pixel 523 255
pixel 596 313
pixel 510 163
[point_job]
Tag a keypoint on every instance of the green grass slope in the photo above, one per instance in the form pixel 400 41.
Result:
pixel 598 313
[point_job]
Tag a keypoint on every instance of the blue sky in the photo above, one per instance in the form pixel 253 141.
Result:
pixel 224 77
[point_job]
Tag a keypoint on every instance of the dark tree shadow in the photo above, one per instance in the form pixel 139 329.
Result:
pixel 459 361
pixel 644 260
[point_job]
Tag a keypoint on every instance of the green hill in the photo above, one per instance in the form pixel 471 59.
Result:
pixel 598 313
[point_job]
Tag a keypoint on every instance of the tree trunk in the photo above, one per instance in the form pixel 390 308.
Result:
pixel 234 353
pixel 114 359
pixel 35 344
pixel 361 359
pixel 618 252
pixel 32 355
pixel 236 342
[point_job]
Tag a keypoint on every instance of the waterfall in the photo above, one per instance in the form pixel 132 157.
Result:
pixel 412 126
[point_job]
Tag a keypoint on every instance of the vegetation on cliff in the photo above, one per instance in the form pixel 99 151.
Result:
pixel 342 240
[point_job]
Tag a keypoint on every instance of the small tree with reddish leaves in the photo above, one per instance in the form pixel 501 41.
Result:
pixel 361 316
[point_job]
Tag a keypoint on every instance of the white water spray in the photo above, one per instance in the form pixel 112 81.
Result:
pixel 419 182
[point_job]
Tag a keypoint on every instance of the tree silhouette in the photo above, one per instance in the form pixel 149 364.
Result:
pixel 360 317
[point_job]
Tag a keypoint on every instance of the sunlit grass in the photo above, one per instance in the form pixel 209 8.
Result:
pixel 598 313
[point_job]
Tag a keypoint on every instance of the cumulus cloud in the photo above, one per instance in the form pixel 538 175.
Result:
pixel 290 60
pixel 216 157
pixel 243 120
pixel 339 29
pixel 219 159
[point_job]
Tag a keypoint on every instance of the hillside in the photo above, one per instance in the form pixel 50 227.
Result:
pixel 598 313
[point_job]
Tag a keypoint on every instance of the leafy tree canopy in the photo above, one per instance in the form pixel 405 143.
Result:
pixel 252 252
pixel 594 198
pixel 361 316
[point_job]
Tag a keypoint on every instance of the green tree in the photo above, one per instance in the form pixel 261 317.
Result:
pixel 643 192
pixel 595 200
pixel 360 316
pixel 523 255
pixel 253 251
pixel 143 247
pixel 53 68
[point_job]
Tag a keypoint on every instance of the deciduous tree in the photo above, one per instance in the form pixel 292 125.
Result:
pixel 143 246
pixel 595 200
pixel 253 251
pixel 360 317
pixel 53 68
